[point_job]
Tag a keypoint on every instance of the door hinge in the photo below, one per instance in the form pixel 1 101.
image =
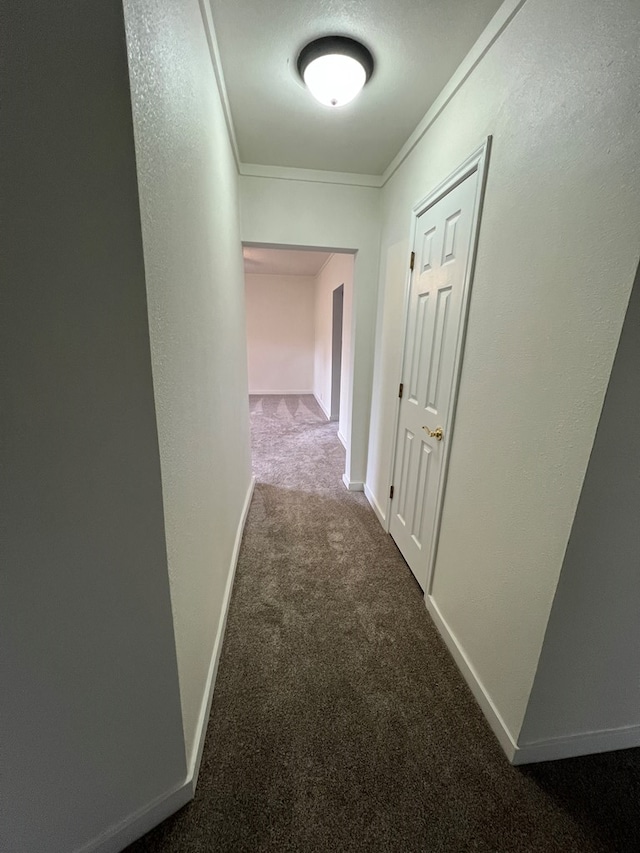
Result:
pixel 400 390
pixel 391 492
pixel 412 260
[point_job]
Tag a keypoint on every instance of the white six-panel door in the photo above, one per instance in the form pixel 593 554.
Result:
pixel 442 247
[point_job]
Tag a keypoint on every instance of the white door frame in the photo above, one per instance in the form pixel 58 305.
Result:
pixel 476 162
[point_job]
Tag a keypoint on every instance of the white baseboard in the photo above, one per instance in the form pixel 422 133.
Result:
pixel 342 439
pixel 278 393
pixel 117 837
pixel 205 710
pixel 382 518
pixel 465 666
pixel 352 485
pixel 570 746
pixel 327 414
pixel 585 743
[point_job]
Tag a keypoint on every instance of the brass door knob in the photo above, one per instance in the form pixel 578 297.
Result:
pixel 436 433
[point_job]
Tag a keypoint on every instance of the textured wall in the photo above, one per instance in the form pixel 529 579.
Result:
pixel 90 722
pixel 280 333
pixel 195 284
pixel 557 255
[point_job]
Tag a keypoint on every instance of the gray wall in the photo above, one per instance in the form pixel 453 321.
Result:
pixel 588 676
pixel 90 721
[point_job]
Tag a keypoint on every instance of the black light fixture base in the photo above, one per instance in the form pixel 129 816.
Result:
pixel 335 44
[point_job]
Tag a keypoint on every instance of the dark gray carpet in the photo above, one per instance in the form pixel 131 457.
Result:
pixel 339 721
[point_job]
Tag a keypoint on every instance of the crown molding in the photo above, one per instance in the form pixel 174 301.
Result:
pixel 216 62
pixel 289 173
pixel 487 38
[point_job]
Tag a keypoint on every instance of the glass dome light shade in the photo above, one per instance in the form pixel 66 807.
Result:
pixel 334 79
pixel 335 68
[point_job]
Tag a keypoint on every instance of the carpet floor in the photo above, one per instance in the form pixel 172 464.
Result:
pixel 339 721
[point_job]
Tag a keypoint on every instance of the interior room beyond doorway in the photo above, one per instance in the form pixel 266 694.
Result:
pixel 299 327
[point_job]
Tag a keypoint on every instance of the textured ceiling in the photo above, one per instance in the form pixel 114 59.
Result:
pixel 283 261
pixel 417 45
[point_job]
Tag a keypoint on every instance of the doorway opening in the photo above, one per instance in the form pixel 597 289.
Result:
pixel 299 321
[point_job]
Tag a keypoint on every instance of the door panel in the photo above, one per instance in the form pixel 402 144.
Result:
pixel 439 338
pixel 435 313
pixel 421 339
pixel 419 515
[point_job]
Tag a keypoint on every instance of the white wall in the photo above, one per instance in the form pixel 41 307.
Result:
pixel 294 213
pixel 338 270
pixel 557 255
pixel 195 283
pixel 90 721
pixel 587 677
pixel 280 333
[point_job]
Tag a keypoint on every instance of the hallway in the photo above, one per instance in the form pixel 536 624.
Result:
pixel 339 721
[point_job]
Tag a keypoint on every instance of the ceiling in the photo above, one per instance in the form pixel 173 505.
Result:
pixel 417 45
pixel 283 261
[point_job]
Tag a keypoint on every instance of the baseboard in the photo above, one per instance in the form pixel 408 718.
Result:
pixel 553 749
pixel 327 414
pixel 375 506
pixel 342 439
pixel 117 837
pixel 465 666
pixel 203 719
pixel 280 393
pixel 585 743
pixel 352 485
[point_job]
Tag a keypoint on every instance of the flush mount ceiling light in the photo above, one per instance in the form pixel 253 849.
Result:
pixel 334 69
